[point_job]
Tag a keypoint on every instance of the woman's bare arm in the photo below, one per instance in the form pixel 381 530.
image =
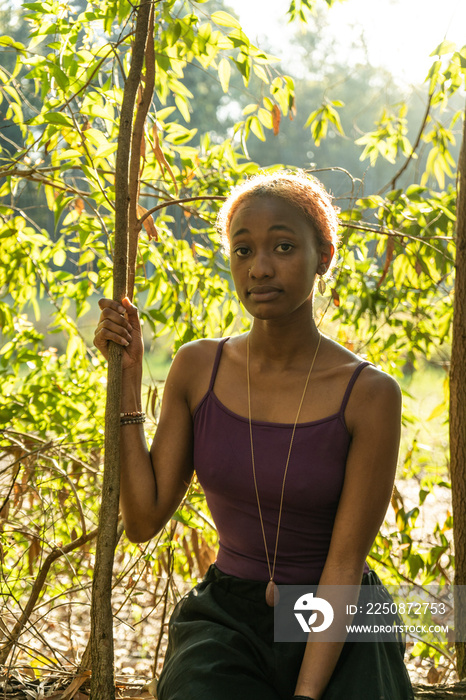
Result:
pixel 152 483
pixel 373 416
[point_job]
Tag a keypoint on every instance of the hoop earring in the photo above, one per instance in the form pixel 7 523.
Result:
pixel 322 285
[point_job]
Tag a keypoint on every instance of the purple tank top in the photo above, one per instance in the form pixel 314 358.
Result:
pixel 222 460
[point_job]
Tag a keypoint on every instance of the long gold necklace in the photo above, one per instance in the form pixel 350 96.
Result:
pixel 271 593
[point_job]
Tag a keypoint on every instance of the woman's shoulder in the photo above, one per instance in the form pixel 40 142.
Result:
pixel 374 391
pixel 204 350
pixel 193 365
pixel 199 352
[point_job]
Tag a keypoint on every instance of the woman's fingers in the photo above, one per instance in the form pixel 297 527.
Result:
pixel 109 330
pixel 110 304
pixel 112 314
pixel 113 324
pixel 125 313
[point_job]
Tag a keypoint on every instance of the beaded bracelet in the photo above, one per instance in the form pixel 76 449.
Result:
pixel 302 697
pixel 133 414
pixel 139 418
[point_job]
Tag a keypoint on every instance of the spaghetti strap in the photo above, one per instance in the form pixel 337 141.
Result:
pixel 351 382
pixel 217 362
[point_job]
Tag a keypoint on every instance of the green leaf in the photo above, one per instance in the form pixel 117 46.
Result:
pixel 372 202
pixel 180 135
pixel 8 41
pixel 224 72
pixel 250 109
pixel 239 39
pixel 59 258
pixel 311 118
pixel 59 119
pixel 265 118
pixel 400 270
pixel 414 190
pixel 35 6
pixel 460 58
pixel 7 349
pixel 444 48
pixel 124 9
pixel 224 19
pixel 164 113
pixel 244 67
pixel 183 106
pixel 260 72
pixel 440 410
pixel 86 257
pixel 256 128
pixel 59 75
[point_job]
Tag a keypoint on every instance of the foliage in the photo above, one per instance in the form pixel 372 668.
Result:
pixel 391 297
pixel 72 71
pixel 298 8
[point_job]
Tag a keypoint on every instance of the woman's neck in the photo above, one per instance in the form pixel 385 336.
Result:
pixel 283 341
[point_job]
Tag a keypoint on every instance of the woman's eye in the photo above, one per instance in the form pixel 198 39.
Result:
pixel 285 247
pixel 241 252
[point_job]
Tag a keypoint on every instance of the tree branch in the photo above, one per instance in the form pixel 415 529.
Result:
pixel 400 172
pixel 136 147
pixel 37 588
pixel 102 682
pixel 169 202
pixel 401 234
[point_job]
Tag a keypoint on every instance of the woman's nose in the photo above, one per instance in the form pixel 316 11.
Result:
pixel 261 267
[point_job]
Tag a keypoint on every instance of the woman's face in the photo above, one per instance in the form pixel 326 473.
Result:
pixel 274 257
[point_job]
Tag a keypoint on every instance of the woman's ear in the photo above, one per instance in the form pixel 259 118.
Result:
pixel 327 255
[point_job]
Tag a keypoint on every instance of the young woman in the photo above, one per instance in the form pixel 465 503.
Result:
pixel 295 442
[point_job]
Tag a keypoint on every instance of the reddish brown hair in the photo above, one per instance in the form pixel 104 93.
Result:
pixel 303 191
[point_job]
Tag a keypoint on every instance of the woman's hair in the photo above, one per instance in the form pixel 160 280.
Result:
pixel 303 191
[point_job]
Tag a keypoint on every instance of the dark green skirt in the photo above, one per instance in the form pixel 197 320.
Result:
pixel 221 648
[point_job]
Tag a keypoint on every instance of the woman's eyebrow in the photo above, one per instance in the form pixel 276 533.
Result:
pixel 274 227
pixel 282 227
pixel 239 232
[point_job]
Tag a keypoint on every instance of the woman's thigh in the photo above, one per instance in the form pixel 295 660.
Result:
pixel 212 669
pixel 221 646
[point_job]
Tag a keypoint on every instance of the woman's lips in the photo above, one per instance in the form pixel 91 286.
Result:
pixel 265 293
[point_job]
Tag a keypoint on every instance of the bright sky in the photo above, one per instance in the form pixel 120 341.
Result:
pixel 399 34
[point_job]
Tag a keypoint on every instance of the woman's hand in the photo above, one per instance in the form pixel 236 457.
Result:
pixel 120 323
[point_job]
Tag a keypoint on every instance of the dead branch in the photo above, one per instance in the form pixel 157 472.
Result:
pixel 55 554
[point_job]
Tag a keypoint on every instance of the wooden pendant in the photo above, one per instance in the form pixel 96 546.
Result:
pixel 272 596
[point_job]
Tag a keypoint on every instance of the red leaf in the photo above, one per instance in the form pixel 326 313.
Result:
pixel 335 296
pixel 388 260
pixel 148 224
pixel 276 118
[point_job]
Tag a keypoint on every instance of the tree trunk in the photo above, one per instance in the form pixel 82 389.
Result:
pixel 102 683
pixel 458 417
